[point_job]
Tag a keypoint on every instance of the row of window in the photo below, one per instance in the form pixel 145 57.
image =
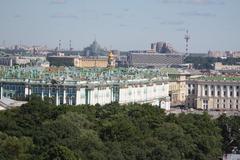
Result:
pixel 219 93
pixel 14 87
pixel 230 101
pixel 230 106
pixel 212 93
pixel 212 86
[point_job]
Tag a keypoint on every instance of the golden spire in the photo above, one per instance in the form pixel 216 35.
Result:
pixel 111 59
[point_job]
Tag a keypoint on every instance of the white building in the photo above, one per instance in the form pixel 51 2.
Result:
pixel 217 93
pixel 154 91
pixel 231 157
pixel 10 61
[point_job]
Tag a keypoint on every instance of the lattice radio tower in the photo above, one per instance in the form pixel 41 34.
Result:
pixel 187 38
pixel 59 45
pixel 70 45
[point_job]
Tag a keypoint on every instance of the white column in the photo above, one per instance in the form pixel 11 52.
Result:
pixel 1 94
pixel 234 91
pixel 42 94
pixel 215 91
pixel 203 90
pixel 198 90
pixel 209 90
pixel 57 99
pixel 228 91
pixel 89 96
pixel 70 101
pixel 49 92
pixel 64 96
pixel 26 91
pixel 222 92
pixel 77 96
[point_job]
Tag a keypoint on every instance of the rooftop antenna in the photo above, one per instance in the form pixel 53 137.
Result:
pixel 187 38
pixel 59 45
pixel 70 45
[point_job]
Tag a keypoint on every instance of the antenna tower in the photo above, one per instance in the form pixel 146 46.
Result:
pixel 187 38
pixel 59 45
pixel 70 45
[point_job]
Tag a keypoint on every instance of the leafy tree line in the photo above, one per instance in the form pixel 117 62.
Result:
pixel 42 131
pixel 208 62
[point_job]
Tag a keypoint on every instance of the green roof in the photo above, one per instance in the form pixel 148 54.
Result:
pixel 220 78
pixel 38 73
pixel 169 71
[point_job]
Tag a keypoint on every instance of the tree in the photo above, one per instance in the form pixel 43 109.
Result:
pixel 59 152
pixel 13 148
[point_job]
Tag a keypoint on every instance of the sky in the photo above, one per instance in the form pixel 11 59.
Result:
pixel 122 24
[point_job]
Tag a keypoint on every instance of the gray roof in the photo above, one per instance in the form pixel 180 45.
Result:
pixel 8 103
pixel 157 60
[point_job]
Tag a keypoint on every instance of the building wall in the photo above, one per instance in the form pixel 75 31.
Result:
pixel 21 61
pixel 89 63
pixel 155 92
pixel 154 60
pixel 217 54
pixel 220 66
pixel 78 62
pixel 177 90
pixel 10 61
pixel 61 60
pixel 6 61
pixel 217 95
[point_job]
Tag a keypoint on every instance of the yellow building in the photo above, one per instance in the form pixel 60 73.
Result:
pixel 178 84
pixel 177 89
pixel 83 62
pixel 91 62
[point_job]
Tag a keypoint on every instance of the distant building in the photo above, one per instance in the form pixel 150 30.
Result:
pixel 198 55
pixel 217 54
pixel 43 64
pixel 154 60
pixel 214 92
pixel 162 47
pixel 220 67
pixel 6 61
pixel 94 50
pixel 83 62
pixel 231 157
pixel 235 54
pixel 122 61
pixel 10 61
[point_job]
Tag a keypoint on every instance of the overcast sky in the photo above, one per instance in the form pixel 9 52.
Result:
pixel 122 24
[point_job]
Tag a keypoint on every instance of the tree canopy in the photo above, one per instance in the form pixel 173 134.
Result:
pixel 41 131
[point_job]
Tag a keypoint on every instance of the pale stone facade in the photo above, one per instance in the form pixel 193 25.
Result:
pixel 177 89
pixel 222 94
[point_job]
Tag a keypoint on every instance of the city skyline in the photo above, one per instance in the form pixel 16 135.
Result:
pixel 122 25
